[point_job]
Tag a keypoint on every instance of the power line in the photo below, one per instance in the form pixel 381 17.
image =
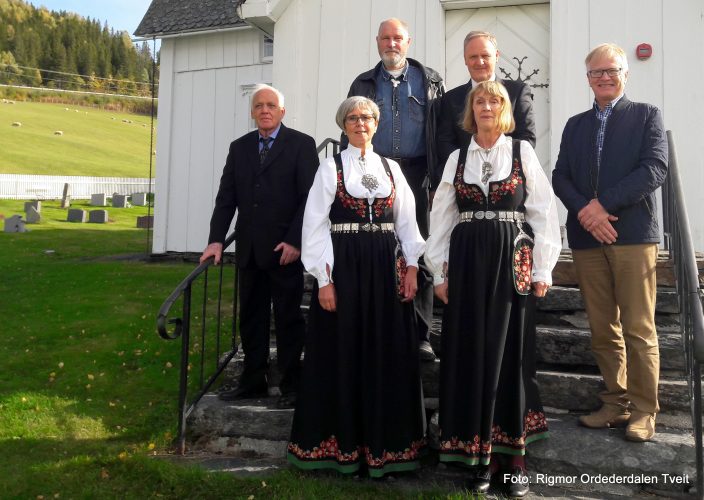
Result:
pixel 74 91
pixel 82 76
pixel 72 84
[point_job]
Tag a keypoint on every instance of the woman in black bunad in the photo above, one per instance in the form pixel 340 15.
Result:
pixel 360 406
pixel 494 239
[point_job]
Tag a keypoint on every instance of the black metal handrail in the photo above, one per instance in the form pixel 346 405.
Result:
pixel 182 330
pixel 333 143
pixel 182 326
pixel 679 240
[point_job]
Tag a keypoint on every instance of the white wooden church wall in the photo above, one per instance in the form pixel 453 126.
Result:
pixel 320 46
pixel 204 97
pixel 675 29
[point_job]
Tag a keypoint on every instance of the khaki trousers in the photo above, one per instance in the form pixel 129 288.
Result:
pixel 618 287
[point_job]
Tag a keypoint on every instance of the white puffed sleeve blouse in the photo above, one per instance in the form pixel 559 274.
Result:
pixel 316 252
pixel 541 209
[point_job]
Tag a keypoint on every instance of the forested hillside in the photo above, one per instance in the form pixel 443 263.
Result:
pixel 39 47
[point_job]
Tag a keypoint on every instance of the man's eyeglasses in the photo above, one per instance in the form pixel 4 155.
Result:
pixel 352 119
pixel 598 73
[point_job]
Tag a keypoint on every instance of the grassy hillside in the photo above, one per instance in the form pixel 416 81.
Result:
pixel 94 142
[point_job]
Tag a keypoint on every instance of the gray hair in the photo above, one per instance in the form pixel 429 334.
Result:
pixel 352 103
pixel 263 86
pixel 477 34
pixel 608 50
pixel 403 24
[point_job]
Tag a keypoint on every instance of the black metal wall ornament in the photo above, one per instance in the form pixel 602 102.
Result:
pixel 525 79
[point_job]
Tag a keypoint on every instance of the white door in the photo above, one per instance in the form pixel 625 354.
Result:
pixel 523 35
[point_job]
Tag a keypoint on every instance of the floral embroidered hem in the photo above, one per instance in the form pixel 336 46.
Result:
pixel 329 456
pixel 476 452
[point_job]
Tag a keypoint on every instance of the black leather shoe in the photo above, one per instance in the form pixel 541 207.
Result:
pixel 426 351
pixel 244 392
pixel 481 481
pixel 518 485
pixel 287 401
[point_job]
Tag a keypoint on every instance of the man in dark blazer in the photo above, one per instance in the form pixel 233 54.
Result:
pixel 480 55
pixel 266 178
pixel 612 159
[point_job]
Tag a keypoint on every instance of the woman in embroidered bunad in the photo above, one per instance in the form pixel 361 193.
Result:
pixel 360 406
pixel 494 239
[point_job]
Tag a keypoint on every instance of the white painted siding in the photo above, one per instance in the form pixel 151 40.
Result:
pixel 669 79
pixel 204 100
pixel 320 46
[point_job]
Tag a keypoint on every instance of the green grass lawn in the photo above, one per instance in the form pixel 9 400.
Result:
pixel 88 389
pixel 94 142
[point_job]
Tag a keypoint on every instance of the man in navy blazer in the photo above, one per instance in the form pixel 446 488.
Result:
pixel 612 159
pixel 266 178
pixel 480 55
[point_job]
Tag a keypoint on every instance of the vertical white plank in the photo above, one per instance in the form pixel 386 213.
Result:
pixel 163 145
pixel 230 42
pixel 214 51
pixel 197 50
pixel 181 52
pixel 200 161
pixel 226 97
pixel 181 133
pixel 683 100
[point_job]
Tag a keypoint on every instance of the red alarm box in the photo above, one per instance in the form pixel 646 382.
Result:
pixel 644 51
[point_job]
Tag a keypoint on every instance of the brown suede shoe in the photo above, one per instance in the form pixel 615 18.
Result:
pixel 641 427
pixel 606 416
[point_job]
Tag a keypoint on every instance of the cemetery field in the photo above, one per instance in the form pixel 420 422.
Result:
pixel 88 389
pixel 93 143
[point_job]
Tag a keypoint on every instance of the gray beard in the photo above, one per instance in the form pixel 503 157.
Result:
pixel 392 60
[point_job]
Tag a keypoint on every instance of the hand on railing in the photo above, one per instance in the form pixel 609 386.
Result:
pixel 161 319
pixel 212 250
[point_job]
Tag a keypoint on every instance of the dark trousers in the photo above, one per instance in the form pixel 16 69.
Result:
pixel 282 285
pixel 415 170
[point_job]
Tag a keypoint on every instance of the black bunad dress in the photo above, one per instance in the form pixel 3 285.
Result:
pixel 489 401
pixel 360 404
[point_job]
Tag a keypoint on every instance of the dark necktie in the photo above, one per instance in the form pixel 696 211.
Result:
pixel 265 148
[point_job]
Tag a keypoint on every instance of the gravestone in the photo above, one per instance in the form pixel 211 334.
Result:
pixel 66 198
pixel 119 200
pixel 32 215
pixel 15 224
pixel 139 199
pixel 145 222
pixel 36 204
pixel 76 215
pixel 98 216
pixel 99 200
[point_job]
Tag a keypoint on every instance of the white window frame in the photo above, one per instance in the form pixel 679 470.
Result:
pixel 264 44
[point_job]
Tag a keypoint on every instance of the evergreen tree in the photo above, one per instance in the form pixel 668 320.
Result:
pixel 48 43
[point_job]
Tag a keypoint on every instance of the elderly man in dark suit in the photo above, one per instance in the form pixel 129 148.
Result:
pixel 266 178
pixel 480 55
pixel 612 159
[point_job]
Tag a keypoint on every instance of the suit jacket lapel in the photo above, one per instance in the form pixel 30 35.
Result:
pixel 276 148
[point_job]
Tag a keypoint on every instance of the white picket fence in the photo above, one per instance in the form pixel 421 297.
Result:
pixel 50 187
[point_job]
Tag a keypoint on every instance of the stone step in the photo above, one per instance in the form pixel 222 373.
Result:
pixel 571 346
pixel 562 390
pixel 574 459
pixel 563 298
pixel 579 391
